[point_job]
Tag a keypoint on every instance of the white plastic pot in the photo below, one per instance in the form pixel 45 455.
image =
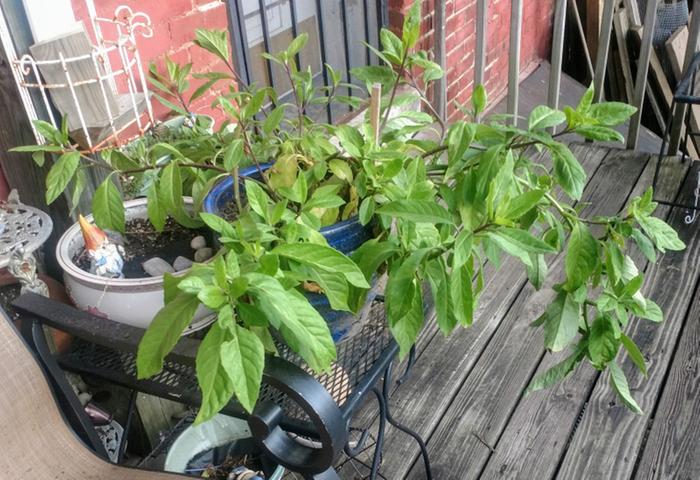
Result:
pixel 133 301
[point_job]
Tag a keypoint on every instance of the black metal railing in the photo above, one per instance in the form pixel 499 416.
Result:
pixel 336 30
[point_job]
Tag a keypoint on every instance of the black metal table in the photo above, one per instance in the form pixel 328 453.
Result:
pixel 292 401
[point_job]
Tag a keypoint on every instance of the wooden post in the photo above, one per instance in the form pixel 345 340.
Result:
pixel 480 53
pixel 439 40
pixel 621 30
pixel 375 109
pixel 642 72
pixel 593 25
pixel 557 52
pixel 690 49
pixel 516 24
pixel 603 49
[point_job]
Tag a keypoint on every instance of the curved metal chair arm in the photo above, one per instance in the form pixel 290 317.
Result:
pixel 322 411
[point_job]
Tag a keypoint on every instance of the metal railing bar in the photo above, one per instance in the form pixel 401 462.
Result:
pixel 293 18
pixel 238 40
pixel 557 54
pixel 266 40
pixel 640 81
pixel 365 10
pixel 601 61
pixel 344 21
pixel 322 45
pixel 516 25
pixel 690 49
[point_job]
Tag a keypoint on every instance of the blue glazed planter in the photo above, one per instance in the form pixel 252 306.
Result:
pixel 345 236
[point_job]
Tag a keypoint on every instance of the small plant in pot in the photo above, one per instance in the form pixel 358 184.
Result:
pixel 439 211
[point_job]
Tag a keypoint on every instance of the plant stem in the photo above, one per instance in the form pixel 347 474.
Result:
pixel 237 190
pixel 399 75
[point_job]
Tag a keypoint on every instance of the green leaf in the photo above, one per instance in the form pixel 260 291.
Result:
pixel 634 354
pixel 213 41
pixel 374 74
pixel 661 233
pixel 411 26
pixel 79 184
pixel 561 320
pixel 652 312
pixel 611 113
pixel 558 372
pixel 523 203
pixel 618 380
pixel 418 211
pixel 462 294
pixel 586 100
pixel 371 254
pixel 644 244
pixel 599 133
pixel 297 44
pixel 38 158
pixel 212 296
pixel 392 45
pixel 543 117
pixel 519 243
pixel 462 248
pixel 156 210
pixel 107 206
pixel 568 172
pixel 274 119
pixel 171 187
pixel 602 344
pixel 61 174
pixel 366 211
pixel 214 381
pixel 243 358
pixel 406 329
pixel 459 137
pixel 479 99
pixel 399 287
pixel 581 256
pixel 341 169
pixel 308 332
pixel 163 333
pixel 257 198
pixel 351 140
pixel 323 258
pixel 437 277
pixel 233 155
pixel 537 273
pixel 334 286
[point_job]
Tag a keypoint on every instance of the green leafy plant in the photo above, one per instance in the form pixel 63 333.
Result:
pixel 442 208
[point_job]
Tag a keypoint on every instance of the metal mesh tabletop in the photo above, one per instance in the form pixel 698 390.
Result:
pixel 356 358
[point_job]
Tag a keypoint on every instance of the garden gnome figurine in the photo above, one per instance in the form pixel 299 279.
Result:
pixel 105 256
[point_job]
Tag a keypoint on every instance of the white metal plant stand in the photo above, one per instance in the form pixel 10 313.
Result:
pixel 111 63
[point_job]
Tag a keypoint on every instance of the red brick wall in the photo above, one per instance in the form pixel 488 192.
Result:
pixel 460 42
pixel 174 23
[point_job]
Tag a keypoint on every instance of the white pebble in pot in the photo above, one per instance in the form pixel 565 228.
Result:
pixel 182 263
pixel 203 254
pixel 198 242
pixel 156 267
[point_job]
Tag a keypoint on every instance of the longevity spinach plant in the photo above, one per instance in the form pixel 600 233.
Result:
pixel 442 209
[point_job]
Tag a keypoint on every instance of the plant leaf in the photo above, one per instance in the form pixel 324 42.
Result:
pixel 558 372
pixel 581 256
pixel 634 354
pixel 618 380
pixel 214 381
pixel 163 333
pixel 323 258
pixel 107 206
pixel 561 320
pixel 243 358
pixel 406 329
pixel 61 174
pixel 543 117
pixel 418 211
pixel 567 170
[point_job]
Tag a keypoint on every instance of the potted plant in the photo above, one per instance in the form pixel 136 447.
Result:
pixel 440 210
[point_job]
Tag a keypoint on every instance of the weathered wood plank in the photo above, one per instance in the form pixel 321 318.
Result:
pixel 673 443
pixel 544 421
pixel 608 439
pixel 465 436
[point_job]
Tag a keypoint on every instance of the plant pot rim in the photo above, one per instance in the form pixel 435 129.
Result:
pixel 79 274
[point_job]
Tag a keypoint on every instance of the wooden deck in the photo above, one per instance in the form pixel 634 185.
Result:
pixel 465 395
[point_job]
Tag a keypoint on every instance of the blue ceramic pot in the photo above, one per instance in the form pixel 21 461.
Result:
pixel 345 236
